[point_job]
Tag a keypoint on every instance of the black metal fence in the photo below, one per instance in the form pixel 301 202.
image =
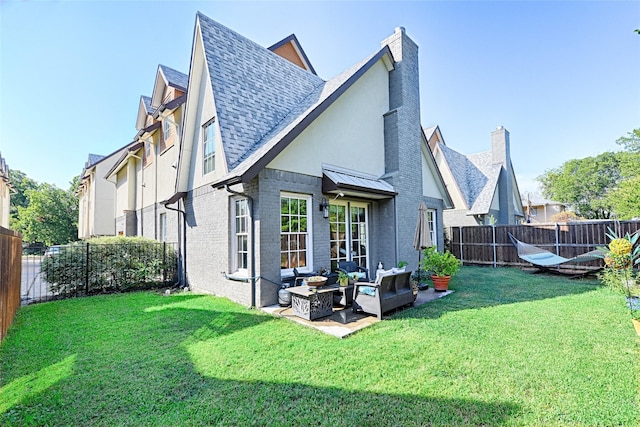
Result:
pixel 90 268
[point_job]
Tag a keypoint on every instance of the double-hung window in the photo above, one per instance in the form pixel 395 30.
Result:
pixel 166 129
pixel 431 219
pixel 147 152
pixel 209 147
pixel 240 235
pixel 295 233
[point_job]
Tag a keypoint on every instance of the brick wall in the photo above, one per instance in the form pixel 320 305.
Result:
pixel 403 138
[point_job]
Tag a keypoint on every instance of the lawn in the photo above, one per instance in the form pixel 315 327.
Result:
pixel 506 349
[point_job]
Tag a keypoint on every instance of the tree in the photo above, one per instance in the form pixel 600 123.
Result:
pixel 584 184
pixel 50 216
pixel 626 199
pixel 21 184
pixel 631 142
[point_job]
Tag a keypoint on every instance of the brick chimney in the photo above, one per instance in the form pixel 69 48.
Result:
pixel 402 148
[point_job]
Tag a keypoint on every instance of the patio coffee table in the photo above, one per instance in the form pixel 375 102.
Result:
pixel 311 303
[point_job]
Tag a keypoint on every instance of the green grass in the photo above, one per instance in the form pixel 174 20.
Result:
pixel 506 349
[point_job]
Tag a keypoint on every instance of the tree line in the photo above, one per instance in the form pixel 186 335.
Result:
pixel 42 212
pixel 602 187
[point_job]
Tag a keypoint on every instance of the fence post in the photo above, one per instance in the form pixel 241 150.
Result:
pixel 557 242
pixel 460 240
pixel 164 262
pixel 86 272
pixel 493 232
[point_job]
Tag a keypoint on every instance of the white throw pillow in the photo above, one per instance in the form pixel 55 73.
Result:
pixel 381 273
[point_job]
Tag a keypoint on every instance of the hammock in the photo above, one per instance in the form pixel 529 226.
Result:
pixel 544 258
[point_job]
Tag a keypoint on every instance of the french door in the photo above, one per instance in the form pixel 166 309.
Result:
pixel 349 233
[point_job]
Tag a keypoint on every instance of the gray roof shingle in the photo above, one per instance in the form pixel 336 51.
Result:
pixel 255 90
pixel 175 78
pixel 147 104
pixel 93 159
pixel 476 176
pixel 314 102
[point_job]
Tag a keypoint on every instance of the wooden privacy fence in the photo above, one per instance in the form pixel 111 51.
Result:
pixel 10 276
pixel 490 245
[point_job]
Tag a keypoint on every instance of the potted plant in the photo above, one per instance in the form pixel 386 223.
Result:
pixel 343 278
pixel 441 266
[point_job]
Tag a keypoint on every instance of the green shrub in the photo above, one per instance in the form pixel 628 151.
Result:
pixel 108 264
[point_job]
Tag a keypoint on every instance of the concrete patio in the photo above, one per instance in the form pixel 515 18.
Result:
pixel 343 322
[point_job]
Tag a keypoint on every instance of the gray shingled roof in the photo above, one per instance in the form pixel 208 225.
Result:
pixel 175 78
pixel 146 100
pixel 476 176
pixel 255 90
pixel 93 159
pixel 302 111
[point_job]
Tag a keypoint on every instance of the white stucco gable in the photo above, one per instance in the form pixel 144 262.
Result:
pixel 348 134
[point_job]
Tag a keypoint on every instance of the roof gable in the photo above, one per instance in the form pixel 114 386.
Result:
pixel 301 116
pixel 144 109
pixel 290 49
pixel 167 77
pixel 254 89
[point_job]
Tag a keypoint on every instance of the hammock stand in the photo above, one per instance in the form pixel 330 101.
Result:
pixel 550 262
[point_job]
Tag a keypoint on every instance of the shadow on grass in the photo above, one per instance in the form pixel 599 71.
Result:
pixel 126 362
pixel 480 287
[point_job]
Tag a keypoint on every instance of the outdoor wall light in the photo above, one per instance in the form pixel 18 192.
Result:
pixel 324 208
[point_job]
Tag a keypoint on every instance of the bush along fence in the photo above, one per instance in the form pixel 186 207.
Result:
pixel 10 274
pixel 89 268
pixel 490 245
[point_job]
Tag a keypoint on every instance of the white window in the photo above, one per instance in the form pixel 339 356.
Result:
pixel 533 211
pixel 147 153
pixel 166 129
pixel 240 233
pixel 163 227
pixel 209 147
pixel 348 233
pixel 295 233
pixel 431 218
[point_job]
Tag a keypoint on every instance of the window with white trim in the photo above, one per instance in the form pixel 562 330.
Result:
pixel 147 152
pixel 209 147
pixel 240 233
pixel 166 128
pixel 431 219
pixel 348 233
pixel 295 233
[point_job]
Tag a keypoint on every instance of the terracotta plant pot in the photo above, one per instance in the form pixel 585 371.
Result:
pixel 440 283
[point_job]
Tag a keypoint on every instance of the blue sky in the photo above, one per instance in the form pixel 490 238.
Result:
pixel 562 77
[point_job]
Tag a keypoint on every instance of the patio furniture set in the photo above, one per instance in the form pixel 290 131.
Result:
pixel 389 291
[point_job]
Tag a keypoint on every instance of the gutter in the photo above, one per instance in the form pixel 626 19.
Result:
pixel 252 273
pixel 182 246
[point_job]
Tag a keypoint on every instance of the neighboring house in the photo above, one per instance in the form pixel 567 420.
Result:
pixel 279 169
pixel 483 186
pixel 5 188
pixel 96 197
pixel 537 209
pixel 145 172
